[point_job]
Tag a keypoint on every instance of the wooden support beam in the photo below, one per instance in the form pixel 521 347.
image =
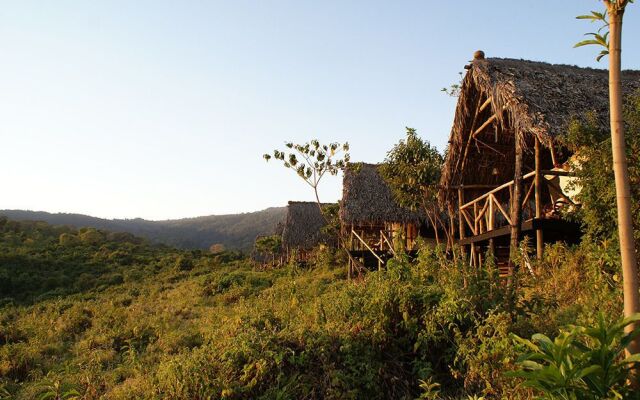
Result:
pixel 491 215
pixel 486 104
pixel 484 125
pixel 538 199
pixel 483 210
pixel 490 147
pixel 504 213
pixel 369 248
pixel 460 221
pixel 528 195
pixel 393 251
pixel 475 219
pixel 469 223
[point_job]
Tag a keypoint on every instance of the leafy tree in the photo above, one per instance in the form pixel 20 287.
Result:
pixel 611 40
pixel 312 161
pixel 595 178
pixel 412 168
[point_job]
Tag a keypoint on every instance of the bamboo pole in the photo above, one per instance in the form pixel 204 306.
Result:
pixel 621 172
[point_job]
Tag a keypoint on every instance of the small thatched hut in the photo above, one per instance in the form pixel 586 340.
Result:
pixel 302 229
pixel 370 216
pixel 504 148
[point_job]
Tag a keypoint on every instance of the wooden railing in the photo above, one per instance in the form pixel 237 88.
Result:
pixel 479 215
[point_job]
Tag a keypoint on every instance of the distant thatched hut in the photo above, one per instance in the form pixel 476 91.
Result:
pixel 504 148
pixel 303 229
pixel 371 218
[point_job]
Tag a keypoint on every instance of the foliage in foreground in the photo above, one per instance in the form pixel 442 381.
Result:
pixel 201 326
pixel 581 362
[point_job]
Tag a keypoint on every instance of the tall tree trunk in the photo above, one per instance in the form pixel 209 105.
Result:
pixel 623 193
pixel 516 206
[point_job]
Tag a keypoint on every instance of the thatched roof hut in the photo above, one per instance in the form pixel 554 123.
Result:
pixel 519 97
pixel 302 227
pixel 368 200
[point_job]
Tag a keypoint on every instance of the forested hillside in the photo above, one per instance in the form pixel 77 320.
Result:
pixel 234 231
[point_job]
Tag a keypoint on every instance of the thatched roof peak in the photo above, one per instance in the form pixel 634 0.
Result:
pixel 530 99
pixel 543 97
pixel 367 198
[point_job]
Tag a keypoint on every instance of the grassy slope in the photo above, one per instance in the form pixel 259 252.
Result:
pixel 175 324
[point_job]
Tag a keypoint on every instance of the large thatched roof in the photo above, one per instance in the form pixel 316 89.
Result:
pixel 530 99
pixel 302 227
pixel 367 199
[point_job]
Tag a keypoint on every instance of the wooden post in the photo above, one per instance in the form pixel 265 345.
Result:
pixel 516 204
pixel 538 199
pixel 460 217
pixel 451 227
pixel 490 225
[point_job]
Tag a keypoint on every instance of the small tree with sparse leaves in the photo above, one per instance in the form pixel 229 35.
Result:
pixel 312 161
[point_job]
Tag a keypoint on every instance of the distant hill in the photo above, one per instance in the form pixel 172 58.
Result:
pixel 234 231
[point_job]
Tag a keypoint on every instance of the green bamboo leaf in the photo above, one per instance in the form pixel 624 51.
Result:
pixel 588 371
pixel 585 43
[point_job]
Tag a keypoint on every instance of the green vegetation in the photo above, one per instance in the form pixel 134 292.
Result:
pixel 412 169
pixel 103 314
pixel 581 363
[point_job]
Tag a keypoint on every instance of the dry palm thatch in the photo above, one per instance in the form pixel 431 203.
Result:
pixel 303 226
pixel 368 200
pixel 528 99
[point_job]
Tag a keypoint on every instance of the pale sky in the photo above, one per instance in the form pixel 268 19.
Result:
pixel 163 109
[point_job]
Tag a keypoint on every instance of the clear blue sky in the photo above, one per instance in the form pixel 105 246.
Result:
pixel 162 109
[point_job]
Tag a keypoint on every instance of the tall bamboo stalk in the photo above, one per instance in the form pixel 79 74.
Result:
pixel 623 193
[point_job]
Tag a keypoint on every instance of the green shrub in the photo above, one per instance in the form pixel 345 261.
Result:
pixel 581 362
